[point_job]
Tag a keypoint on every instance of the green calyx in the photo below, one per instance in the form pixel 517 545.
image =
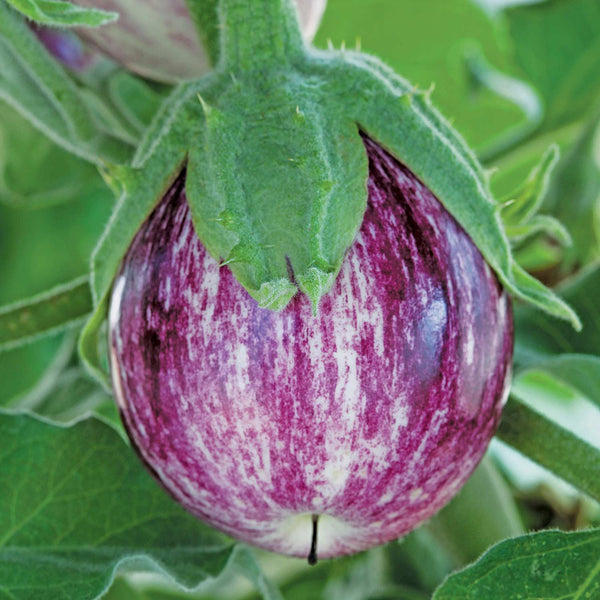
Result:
pixel 276 170
pixel 277 180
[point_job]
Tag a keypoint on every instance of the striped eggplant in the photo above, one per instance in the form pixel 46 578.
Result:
pixel 309 433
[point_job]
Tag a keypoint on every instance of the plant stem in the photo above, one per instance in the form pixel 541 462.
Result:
pixel 551 446
pixel 257 34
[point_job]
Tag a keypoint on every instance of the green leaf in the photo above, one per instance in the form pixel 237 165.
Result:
pixel 69 396
pixel 134 98
pixel 244 561
pixel 519 212
pixel 57 360
pixel 574 195
pixel 63 306
pixel 121 104
pixel 59 176
pixel 552 565
pixel 431 51
pixel 557 46
pixel 538 254
pixel 39 88
pixel 22 368
pixel 551 446
pixel 59 13
pixel 360 577
pixel 422 559
pixel 76 506
pixel 540 337
pixel 543 224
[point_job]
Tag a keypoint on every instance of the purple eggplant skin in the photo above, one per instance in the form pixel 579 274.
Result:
pixel 370 415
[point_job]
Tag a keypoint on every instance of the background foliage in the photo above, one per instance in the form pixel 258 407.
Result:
pixel 514 81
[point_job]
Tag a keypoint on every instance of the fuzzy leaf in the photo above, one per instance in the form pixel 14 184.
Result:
pixel 38 87
pixel 58 13
pixel 159 160
pixel 121 104
pixel 545 224
pixel 552 565
pixel 557 50
pixel 63 306
pixel 69 396
pixel 77 505
pixel 544 344
pixel 134 99
pixel 519 212
pixel 244 561
pixel 60 176
pixel 277 183
pixel 429 51
pixel 580 371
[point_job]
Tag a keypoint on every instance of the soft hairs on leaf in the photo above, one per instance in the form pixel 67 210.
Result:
pixel 76 501
pixel 59 13
pixel 38 87
pixel 553 565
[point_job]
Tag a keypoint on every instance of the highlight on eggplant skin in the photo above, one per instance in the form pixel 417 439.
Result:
pixel 368 417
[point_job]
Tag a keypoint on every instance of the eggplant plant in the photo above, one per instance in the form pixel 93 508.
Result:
pixel 302 308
